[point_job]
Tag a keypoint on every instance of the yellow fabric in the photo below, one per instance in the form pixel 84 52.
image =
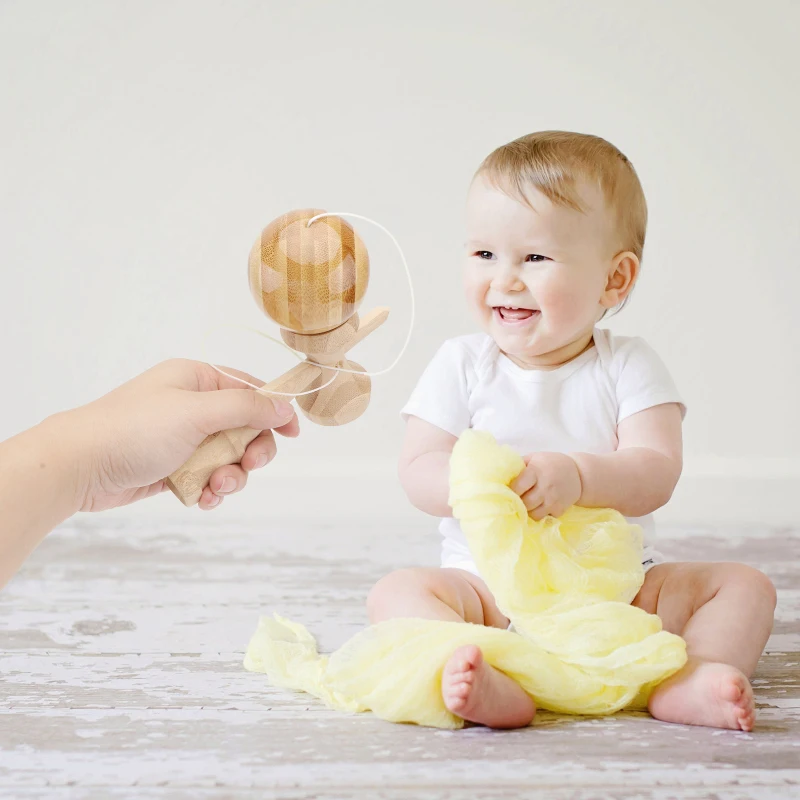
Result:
pixel 578 646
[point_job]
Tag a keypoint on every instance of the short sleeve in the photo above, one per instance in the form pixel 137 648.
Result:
pixel 441 396
pixel 642 379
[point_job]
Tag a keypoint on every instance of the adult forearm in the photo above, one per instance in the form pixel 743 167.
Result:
pixel 426 481
pixel 40 476
pixel 635 481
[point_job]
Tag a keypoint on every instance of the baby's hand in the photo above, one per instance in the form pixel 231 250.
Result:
pixel 549 484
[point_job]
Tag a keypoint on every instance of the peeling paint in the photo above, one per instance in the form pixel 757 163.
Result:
pixel 121 650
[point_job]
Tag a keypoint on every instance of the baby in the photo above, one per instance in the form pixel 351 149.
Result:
pixel 555 231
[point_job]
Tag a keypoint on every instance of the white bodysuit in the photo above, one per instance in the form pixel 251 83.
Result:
pixel 575 408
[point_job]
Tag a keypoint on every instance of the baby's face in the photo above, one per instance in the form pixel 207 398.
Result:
pixel 535 279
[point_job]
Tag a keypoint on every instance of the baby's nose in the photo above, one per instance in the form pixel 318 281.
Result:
pixel 506 277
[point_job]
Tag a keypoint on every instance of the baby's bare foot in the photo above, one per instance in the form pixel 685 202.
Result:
pixel 706 693
pixel 476 691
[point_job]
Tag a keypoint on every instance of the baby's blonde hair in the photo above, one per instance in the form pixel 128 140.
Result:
pixel 554 162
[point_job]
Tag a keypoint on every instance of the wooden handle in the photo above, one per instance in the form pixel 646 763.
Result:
pixel 227 447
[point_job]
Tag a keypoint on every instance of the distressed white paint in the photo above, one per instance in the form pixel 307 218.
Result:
pixel 121 648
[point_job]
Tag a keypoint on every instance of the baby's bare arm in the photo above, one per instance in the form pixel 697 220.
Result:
pixel 641 475
pixel 424 467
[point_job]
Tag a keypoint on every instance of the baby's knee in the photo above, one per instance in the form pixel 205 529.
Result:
pixel 391 591
pixel 754 582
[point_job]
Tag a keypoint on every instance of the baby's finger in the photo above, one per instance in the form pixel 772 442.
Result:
pixel 259 452
pixel 524 482
pixel 539 513
pixel 532 499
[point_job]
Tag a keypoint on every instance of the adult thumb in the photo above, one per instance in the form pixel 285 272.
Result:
pixel 224 409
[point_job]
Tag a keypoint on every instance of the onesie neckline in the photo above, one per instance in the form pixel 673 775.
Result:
pixel 549 375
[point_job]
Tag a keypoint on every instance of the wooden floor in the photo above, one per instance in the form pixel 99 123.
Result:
pixel 121 650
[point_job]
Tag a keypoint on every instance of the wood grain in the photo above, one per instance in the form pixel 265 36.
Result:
pixel 228 447
pixel 121 661
pixel 308 278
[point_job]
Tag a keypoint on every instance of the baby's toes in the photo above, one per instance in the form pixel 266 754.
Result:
pixel 732 690
pixel 746 718
pixel 472 656
pixel 460 691
pixel 456 697
pixel 455 669
pixel 739 693
pixel 747 714
pixel 467 677
pixel 461 665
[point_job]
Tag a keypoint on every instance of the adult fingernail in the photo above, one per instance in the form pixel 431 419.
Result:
pixel 261 461
pixel 214 501
pixel 283 409
pixel 227 485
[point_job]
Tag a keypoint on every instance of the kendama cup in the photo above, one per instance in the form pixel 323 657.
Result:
pixel 310 280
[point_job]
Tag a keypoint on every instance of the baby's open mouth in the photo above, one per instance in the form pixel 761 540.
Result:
pixel 510 314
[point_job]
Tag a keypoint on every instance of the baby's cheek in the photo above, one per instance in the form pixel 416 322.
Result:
pixel 475 289
pixel 563 301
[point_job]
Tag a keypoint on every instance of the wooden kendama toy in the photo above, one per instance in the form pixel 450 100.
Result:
pixel 310 279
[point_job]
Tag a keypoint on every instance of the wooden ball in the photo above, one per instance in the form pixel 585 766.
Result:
pixel 308 279
pixel 345 400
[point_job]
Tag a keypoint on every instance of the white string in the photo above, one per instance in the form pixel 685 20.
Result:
pixel 272 339
pixel 325 366
pixel 410 292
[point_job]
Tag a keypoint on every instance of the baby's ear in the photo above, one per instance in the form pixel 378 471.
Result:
pixel 622 276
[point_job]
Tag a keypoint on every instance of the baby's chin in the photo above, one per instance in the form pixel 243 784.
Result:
pixel 533 349
pixel 521 337
pixel 519 346
pixel 531 355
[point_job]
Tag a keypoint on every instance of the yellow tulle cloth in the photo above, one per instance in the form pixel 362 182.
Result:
pixel 577 647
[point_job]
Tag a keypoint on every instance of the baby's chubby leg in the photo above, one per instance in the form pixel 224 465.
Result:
pixel 471 688
pixel 446 594
pixel 725 614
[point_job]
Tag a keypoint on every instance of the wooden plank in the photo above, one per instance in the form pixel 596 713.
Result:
pixel 121 648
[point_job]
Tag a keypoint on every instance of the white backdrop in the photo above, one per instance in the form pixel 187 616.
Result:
pixel 144 145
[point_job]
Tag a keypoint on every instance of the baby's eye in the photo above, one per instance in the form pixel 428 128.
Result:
pixel 534 257
pixel 484 254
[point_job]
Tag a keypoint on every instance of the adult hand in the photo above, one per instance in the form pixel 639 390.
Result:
pixel 132 438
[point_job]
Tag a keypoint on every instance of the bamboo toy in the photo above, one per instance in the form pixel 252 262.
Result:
pixel 310 280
